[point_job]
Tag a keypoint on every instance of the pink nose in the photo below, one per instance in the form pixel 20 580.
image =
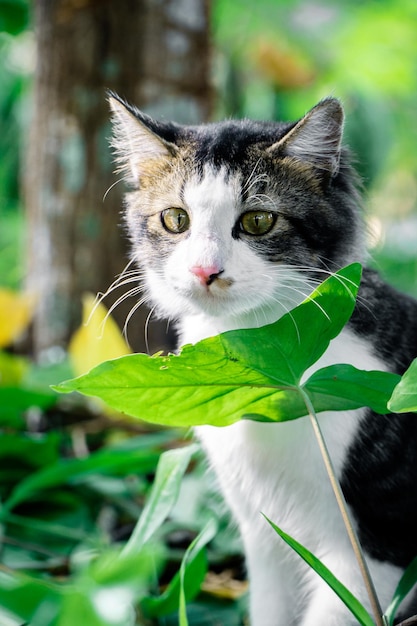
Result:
pixel 206 275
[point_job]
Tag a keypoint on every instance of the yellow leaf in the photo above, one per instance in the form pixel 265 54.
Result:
pixel 98 339
pixel 12 369
pixel 224 585
pixel 16 310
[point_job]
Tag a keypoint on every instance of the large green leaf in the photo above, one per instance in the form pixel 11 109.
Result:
pixel 344 594
pixel 404 398
pixel 253 373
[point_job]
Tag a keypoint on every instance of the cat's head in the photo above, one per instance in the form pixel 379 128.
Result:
pixel 231 218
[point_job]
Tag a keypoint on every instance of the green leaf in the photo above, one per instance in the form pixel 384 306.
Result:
pixel 168 602
pixel 35 593
pixel 171 468
pixel 254 372
pixel 14 16
pixel 33 451
pixel 407 582
pixel 352 603
pixel 138 454
pixel 14 401
pixel 284 350
pixel 194 548
pixel 404 397
pixel 12 369
pixel 102 593
pixel 78 608
pixel 350 388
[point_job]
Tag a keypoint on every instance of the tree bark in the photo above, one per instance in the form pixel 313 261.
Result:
pixel 155 53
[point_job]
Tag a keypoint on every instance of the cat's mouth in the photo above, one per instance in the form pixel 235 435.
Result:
pixel 212 296
pixel 221 283
pixel 216 288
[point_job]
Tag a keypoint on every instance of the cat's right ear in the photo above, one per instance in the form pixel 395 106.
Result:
pixel 316 138
pixel 136 146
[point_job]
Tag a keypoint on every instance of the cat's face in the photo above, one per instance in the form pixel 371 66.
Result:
pixel 232 219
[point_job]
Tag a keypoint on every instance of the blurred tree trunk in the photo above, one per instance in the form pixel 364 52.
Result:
pixel 155 53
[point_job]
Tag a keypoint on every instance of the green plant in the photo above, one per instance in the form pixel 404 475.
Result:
pixel 237 376
pixel 107 582
pixel 72 488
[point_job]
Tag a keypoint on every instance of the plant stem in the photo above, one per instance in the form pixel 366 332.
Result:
pixel 340 498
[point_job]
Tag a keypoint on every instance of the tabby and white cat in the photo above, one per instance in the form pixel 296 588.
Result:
pixel 233 224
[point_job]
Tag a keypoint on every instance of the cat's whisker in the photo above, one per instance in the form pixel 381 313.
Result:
pixel 146 328
pixel 119 180
pixel 263 199
pixel 131 293
pixel 135 291
pixel 135 307
pixel 288 311
pixel 123 283
pixel 311 282
pixel 100 296
pixel 309 298
pixel 123 273
pixel 329 273
pixel 98 300
pixel 254 179
pixel 124 278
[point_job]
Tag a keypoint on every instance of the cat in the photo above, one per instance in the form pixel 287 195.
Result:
pixel 233 224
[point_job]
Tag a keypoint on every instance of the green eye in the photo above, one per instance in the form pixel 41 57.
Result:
pixel 257 222
pixel 175 220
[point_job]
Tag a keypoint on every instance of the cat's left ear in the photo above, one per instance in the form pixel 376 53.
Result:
pixel 136 141
pixel 316 138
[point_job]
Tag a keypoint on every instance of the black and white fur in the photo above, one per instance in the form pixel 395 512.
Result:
pixel 214 277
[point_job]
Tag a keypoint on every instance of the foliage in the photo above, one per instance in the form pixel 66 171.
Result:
pixel 97 339
pixel 66 499
pixel 14 16
pixel 404 398
pixel 405 584
pixel 344 594
pixel 16 394
pixel 14 81
pixel 69 505
pixel 15 313
pixel 255 374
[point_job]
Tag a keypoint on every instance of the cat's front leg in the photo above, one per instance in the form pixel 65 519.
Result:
pixel 326 609
pixel 273 589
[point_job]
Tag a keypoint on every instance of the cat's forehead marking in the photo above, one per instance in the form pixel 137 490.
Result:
pixel 216 189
